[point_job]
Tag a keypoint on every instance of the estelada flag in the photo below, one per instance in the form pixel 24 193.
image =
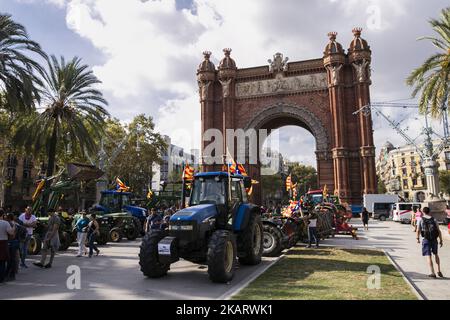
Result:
pixel 38 189
pixel 288 183
pixel 120 186
pixel 241 170
pixel 325 191
pixel 188 173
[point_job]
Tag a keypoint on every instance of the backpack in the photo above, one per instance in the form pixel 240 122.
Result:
pixel 21 232
pixel 429 229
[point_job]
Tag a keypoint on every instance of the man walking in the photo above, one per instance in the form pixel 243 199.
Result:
pixel 365 219
pixel 6 230
pixel 51 241
pixel 312 229
pixel 430 232
pixel 82 229
pixel 29 221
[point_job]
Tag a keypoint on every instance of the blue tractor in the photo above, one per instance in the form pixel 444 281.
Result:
pixel 113 201
pixel 219 227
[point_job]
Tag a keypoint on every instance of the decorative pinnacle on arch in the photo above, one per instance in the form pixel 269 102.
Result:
pixel 357 32
pixel 227 52
pixel 207 54
pixel 332 35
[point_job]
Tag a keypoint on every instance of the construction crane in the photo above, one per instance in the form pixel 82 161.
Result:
pixel 429 153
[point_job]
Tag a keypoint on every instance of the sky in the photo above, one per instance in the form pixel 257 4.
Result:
pixel 146 52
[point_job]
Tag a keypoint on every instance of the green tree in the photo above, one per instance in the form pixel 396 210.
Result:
pixel 444 181
pixel 305 177
pixel 73 112
pixel 381 187
pixel 18 70
pixel 432 77
pixel 143 148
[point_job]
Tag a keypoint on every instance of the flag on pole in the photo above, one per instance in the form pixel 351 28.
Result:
pixel 325 191
pixel 38 190
pixel 288 183
pixel 188 172
pixel 120 186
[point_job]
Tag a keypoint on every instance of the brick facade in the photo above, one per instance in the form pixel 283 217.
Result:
pixel 319 95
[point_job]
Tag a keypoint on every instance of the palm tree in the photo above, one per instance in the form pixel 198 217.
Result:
pixel 432 77
pixel 73 112
pixel 17 69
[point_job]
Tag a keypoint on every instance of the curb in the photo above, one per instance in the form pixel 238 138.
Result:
pixel 227 295
pixel 419 294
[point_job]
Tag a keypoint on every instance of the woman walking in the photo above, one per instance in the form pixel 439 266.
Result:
pixel 365 219
pixel 93 232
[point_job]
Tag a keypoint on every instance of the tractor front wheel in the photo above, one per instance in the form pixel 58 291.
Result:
pixel 115 235
pixel 149 257
pixel 272 241
pixel 35 245
pixel 251 240
pixel 65 240
pixel 221 256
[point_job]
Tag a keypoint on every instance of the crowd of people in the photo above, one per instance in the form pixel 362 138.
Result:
pixel 16 232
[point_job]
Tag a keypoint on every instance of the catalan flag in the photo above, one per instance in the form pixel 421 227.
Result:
pixel 120 186
pixel 288 183
pixel 38 190
pixel 188 173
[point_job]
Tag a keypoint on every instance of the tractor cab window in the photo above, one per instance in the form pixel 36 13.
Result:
pixel 108 200
pixel 126 200
pixel 208 190
pixel 236 193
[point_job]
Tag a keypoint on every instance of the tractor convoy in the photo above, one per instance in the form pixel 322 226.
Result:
pixel 217 226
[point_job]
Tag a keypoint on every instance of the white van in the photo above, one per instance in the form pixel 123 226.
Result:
pixel 402 211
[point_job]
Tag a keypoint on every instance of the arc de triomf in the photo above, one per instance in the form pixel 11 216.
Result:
pixel 319 95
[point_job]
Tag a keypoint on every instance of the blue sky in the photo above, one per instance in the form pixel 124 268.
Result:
pixel 146 52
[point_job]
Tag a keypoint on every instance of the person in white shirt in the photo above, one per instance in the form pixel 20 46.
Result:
pixel 6 229
pixel 312 229
pixel 29 221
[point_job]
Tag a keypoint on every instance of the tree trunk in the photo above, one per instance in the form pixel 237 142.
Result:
pixel 50 163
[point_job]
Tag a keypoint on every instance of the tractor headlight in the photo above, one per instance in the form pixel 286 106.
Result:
pixel 211 221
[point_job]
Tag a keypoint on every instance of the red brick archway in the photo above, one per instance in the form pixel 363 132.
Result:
pixel 319 95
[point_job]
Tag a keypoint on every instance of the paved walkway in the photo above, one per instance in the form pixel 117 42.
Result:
pixel 400 243
pixel 115 274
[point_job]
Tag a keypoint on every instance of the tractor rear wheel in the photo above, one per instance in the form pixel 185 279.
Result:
pixel 272 241
pixel 102 238
pixel 115 234
pixel 65 240
pixel 133 229
pixel 149 258
pixel 251 240
pixel 35 245
pixel 221 257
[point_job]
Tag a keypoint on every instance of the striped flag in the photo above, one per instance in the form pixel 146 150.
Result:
pixel 120 186
pixel 288 183
pixel 188 173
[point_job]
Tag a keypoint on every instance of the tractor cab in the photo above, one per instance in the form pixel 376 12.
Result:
pixel 114 201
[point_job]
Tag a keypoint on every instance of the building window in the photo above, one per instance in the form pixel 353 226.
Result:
pixel 403 161
pixel 404 171
pixel 424 182
pixel 447 165
pixel 414 181
pixel 405 183
pixel 11 174
pixel 447 155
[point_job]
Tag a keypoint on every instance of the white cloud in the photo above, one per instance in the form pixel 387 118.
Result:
pixel 152 49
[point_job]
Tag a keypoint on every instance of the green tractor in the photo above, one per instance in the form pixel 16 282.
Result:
pixel 219 226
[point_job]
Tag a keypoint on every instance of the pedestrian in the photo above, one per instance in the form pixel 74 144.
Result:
pixel 447 211
pixel 6 230
pixel 165 223
pixel 428 229
pixel 417 217
pixel 13 247
pixel 153 221
pixel 93 232
pixel 29 221
pixel 365 218
pixel 312 229
pixel 51 240
pixel 82 226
